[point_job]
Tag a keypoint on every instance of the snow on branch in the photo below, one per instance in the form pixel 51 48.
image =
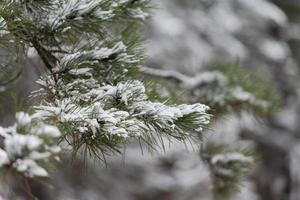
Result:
pixel 28 145
pixel 91 94
pixel 124 111
pixel 101 10
pixel 211 87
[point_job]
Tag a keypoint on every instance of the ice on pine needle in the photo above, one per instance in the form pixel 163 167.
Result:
pixel 96 54
pixel 132 115
pixel 76 10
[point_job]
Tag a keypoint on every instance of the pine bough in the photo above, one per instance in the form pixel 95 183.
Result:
pixel 90 98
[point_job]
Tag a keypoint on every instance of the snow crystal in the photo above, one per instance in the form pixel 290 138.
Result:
pixel 274 50
pixel 3 158
pixel 3 132
pixel 23 119
pixel 230 157
pixel 30 168
pixel 24 149
pixel 50 131
pixel 195 108
pixel 81 71
pixel 15 144
pixel 95 54
pixel 190 82
pixel 38 155
pixel 106 52
pixel 131 91
pixel 93 125
pixel 138 13
pixel 3 27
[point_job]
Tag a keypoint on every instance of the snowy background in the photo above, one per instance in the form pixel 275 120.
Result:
pixel 188 38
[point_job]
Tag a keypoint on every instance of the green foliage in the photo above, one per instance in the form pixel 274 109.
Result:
pixel 254 83
pixel 92 50
pixel 226 88
pixel 228 166
pixel 163 90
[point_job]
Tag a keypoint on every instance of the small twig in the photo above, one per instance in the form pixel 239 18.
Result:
pixel 28 188
pixel 59 51
pixel 167 74
pixel 48 58
pixel 7 182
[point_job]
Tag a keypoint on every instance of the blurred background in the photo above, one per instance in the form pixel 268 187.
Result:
pixel 241 57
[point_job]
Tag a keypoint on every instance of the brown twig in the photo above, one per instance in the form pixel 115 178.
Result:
pixel 47 57
pixel 28 188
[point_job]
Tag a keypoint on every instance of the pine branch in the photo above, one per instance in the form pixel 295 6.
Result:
pixel 91 95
